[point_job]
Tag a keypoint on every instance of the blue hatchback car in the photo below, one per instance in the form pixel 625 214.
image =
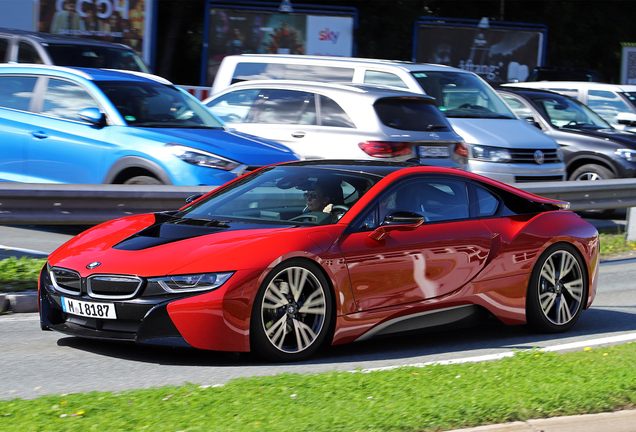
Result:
pixel 76 125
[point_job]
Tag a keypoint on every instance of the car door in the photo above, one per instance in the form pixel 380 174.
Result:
pixel 16 98
pixel 62 147
pixel 436 258
pixel 286 116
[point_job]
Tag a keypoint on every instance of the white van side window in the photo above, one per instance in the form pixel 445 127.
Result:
pixel 246 71
pixel 383 78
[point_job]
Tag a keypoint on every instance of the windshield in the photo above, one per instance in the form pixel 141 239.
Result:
pixel 298 195
pixel 630 97
pixel 95 56
pixel 463 95
pixel 566 113
pixel 151 104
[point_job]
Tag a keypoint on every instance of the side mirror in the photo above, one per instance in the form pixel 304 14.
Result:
pixel 94 116
pixel 628 119
pixel 397 221
pixel 532 122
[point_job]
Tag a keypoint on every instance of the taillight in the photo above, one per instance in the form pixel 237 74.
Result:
pixel 385 149
pixel 461 148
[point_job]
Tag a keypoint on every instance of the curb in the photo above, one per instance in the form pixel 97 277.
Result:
pixel 23 302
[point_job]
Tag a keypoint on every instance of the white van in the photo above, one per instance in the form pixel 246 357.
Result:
pixel 501 146
pixel 615 103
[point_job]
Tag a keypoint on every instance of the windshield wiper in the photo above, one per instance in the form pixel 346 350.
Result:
pixel 200 222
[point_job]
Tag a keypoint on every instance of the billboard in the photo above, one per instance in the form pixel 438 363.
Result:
pixel 243 28
pixel 499 52
pixel 122 21
pixel 628 63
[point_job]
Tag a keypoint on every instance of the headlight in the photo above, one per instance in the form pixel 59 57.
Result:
pixel 628 154
pixel 186 283
pixel 490 154
pixel 202 158
pixel 559 153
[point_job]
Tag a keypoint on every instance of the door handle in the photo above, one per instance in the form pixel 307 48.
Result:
pixel 40 134
pixel 298 134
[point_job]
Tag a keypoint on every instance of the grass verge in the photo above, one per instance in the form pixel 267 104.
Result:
pixel 529 385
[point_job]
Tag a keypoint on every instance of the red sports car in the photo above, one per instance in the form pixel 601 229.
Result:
pixel 294 256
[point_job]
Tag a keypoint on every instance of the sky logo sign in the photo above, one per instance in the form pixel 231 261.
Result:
pixel 327 35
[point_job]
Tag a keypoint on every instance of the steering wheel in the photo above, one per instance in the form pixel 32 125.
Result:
pixel 343 208
pixel 304 218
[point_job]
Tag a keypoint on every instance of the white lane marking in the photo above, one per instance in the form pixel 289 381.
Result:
pixel 490 357
pixel 23 250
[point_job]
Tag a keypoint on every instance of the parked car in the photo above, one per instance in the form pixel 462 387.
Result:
pixel 260 265
pixel 74 125
pixel 347 121
pixel 592 149
pixel 21 46
pixel 500 146
pixel 616 103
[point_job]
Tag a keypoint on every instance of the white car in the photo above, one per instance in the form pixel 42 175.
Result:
pixel 615 103
pixel 342 121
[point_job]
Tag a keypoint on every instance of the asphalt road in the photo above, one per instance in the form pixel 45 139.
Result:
pixel 35 363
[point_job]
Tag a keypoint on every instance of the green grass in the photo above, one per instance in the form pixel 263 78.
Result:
pixel 529 385
pixel 20 274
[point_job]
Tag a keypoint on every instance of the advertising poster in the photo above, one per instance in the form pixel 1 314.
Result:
pixel 329 36
pixel 240 31
pixel 122 21
pixel 628 63
pixel 497 55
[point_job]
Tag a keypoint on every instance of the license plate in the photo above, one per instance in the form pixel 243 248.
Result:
pixel 89 309
pixel 425 151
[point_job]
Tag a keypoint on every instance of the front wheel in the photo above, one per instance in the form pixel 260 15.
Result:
pixel 592 172
pixel 143 180
pixel 292 312
pixel 557 290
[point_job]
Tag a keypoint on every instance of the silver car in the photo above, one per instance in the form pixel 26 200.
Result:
pixel 342 121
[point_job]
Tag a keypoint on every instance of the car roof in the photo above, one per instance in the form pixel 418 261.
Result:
pixel 364 90
pixel 86 73
pixel 531 91
pixel 574 85
pixel 345 61
pixel 42 37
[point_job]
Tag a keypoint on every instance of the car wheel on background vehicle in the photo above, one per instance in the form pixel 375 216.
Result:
pixel 592 172
pixel 292 312
pixel 143 180
pixel 557 290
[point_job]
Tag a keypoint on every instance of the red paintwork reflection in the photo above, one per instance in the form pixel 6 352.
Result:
pixel 408 266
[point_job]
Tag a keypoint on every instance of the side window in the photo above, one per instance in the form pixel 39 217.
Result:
pixel 383 78
pixel 28 54
pixel 235 106
pixel 606 104
pixel 65 100
pixel 487 203
pixel 437 199
pixel 284 107
pixel 518 106
pixel 331 114
pixel 16 91
pixel 4 49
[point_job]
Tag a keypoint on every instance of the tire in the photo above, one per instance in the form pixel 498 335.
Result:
pixel 292 313
pixel 592 172
pixel 557 290
pixel 143 180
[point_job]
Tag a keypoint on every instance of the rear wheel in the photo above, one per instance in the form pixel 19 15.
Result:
pixel 557 290
pixel 143 180
pixel 292 312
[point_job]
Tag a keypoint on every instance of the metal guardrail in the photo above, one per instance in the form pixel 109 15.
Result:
pixel 73 204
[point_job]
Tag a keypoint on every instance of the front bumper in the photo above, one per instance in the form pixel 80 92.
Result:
pixel 140 320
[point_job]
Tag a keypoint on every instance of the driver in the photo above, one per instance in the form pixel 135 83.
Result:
pixel 324 196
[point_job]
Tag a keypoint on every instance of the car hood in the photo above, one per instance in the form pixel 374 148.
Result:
pixel 627 139
pixel 154 245
pixel 507 133
pixel 224 142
